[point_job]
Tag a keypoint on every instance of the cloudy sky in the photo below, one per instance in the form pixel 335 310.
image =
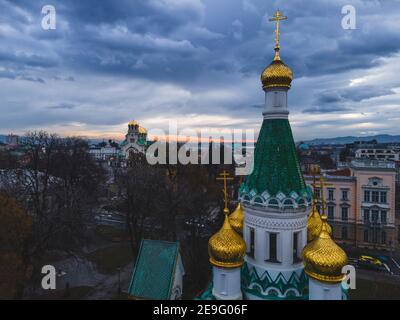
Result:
pixel 197 62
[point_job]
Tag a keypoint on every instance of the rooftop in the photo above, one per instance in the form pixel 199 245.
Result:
pixel 153 274
pixel 372 164
pixel 346 172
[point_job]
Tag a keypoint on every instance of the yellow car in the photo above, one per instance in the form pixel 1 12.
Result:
pixel 371 259
pixel 368 262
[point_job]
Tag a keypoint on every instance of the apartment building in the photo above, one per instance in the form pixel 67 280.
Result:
pixel 360 203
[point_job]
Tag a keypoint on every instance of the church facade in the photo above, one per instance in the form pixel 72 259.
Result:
pixel 135 140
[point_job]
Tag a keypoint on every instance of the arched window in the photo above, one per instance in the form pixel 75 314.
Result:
pixel 258 201
pixel 302 203
pixel 273 293
pixel 344 233
pixel 223 284
pixel 366 236
pixel 272 254
pixel 273 203
pixel 291 293
pixel 288 203
pixel 383 237
pixel 276 99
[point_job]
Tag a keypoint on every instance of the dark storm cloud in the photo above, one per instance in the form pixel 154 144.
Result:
pixel 147 38
pixel 67 106
pixel 365 92
pixel 342 99
pixel 211 52
pixel 18 75
pixel 26 60
pixel 326 109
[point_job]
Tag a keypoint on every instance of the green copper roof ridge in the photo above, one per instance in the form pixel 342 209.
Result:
pixel 175 246
pixel 276 165
pixel 177 250
pixel 135 268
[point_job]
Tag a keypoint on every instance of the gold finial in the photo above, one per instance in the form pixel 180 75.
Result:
pixel 314 171
pixel 225 177
pixel 315 220
pixel 278 16
pixel 322 184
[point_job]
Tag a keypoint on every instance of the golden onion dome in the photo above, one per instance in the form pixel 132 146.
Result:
pixel 314 225
pixel 133 123
pixel 236 219
pixel 142 130
pixel 323 258
pixel 277 74
pixel 226 248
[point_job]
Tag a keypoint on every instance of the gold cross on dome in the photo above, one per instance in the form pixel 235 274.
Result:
pixel 278 16
pixel 314 170
pixel 225 176
pixel 322 183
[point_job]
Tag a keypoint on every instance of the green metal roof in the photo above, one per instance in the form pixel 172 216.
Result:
pixel 141 141
pixel 276 167
pixel 153 274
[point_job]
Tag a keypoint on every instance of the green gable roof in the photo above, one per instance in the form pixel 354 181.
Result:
pixel 153 274
pixel 276 167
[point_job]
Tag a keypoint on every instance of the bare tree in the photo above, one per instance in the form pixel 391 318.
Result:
pixel 58 185
pixel 140 187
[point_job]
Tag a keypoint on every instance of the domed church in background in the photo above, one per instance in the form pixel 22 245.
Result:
pixel 276 245
pixel 135 140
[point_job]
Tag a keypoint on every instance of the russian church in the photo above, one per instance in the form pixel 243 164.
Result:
pixel 275 245
pixel 135 140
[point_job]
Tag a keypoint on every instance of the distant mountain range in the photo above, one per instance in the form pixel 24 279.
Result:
pixel 381 138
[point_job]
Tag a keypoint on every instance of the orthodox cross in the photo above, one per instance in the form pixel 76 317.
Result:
pixel 278 16
pixel 225 177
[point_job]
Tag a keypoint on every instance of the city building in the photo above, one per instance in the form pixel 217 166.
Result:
pixel 360 203
pixel 378 152
pixel 104 153
pixel 268 256
pixel 12 140
pixel 118 155
pixel 3 146
pixel 398 173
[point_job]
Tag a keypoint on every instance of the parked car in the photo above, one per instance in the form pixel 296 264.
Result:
pixel 368 262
